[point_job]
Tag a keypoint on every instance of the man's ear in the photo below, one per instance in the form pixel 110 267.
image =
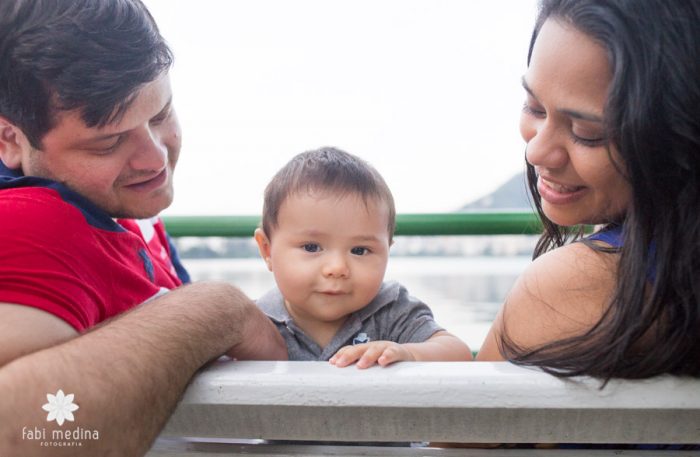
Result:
pixel 264 247
pixel 13 143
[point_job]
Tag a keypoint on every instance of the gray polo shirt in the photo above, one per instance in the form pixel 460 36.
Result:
pixel 392 315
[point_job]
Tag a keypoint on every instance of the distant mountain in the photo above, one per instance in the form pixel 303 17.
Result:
pixel 511 195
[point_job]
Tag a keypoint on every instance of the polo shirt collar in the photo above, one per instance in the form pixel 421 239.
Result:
pixel 388 293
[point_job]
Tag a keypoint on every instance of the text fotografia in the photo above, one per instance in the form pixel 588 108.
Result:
pixel 59 438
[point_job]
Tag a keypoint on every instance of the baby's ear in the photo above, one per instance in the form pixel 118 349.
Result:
pixel 263 247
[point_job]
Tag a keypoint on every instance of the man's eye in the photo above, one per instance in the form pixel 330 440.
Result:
pixel 359 251
pixel 104 150
pixel 311 247
pixel 160 118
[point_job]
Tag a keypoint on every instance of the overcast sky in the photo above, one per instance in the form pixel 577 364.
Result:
pixel 427 91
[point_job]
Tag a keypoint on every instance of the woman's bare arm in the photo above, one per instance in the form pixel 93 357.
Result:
pixel 562 293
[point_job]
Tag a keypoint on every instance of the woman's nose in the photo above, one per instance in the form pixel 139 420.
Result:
pixel 545 147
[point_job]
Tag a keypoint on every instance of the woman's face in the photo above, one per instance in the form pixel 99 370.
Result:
pixel 562 122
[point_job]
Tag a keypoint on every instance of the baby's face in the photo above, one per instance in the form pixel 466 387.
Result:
pixel 329 254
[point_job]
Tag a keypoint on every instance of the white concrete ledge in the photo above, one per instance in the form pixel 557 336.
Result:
pixel 475 402
pixel 195 448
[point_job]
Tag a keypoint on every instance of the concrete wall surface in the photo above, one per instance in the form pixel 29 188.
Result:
pixel 461 402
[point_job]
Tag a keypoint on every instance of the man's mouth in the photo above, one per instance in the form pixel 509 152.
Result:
pixel 151 183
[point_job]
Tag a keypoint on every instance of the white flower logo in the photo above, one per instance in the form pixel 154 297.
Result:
pixel 60 407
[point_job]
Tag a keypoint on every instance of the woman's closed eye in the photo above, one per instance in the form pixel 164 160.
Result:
pixel 589 139
pixel 533 111
pixel 588 142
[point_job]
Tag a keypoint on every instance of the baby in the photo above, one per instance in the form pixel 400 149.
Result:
pixel 328 222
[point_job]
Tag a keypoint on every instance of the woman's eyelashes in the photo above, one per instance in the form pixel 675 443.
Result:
pixel 591 141
pixel 590 137
pixel 588 142
pixel 528 109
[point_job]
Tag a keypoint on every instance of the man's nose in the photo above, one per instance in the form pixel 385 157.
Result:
pixel 151 152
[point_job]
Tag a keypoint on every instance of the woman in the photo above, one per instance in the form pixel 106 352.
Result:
pixel 612 125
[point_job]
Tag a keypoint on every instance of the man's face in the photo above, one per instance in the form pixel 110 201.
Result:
pixel 125 168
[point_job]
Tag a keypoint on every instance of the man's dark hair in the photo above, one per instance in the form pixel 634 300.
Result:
pixel 326 170
pixel 87 55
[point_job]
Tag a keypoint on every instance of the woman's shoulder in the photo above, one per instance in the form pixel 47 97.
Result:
pixel 560 294
pixel 573 264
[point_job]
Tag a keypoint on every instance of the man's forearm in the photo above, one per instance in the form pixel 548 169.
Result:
pixel 127 375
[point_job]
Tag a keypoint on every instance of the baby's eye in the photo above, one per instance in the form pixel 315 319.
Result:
pixel 359 251
pixel 311 247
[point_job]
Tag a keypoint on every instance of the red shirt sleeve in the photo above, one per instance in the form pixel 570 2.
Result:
pixel 51 258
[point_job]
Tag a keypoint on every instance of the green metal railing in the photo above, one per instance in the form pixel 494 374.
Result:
pixel 483 223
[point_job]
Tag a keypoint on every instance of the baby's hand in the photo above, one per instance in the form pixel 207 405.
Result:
pixel 367 354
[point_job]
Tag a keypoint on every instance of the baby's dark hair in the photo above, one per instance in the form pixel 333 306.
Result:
pixel 328 170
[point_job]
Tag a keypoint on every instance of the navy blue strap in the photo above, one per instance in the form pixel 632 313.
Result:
pixel 611 235
pixel 12 179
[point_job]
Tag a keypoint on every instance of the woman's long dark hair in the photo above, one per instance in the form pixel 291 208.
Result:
pixel 652 117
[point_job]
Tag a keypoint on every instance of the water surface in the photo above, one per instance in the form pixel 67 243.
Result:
pixel 464 293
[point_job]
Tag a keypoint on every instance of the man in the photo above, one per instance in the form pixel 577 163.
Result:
pixel 90 296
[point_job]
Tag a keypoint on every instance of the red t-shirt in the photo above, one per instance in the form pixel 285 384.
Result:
pixel 61 254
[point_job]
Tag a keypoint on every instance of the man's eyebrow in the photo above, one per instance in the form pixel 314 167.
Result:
pixel 99 138
pixel 567 112
pixel 109 136
pixel 166 107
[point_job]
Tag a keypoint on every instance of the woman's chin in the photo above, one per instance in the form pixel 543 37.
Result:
pixel 562 218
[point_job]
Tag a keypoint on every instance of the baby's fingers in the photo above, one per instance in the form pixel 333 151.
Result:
pixel 347 355
pixel 370 356
pixel 390 355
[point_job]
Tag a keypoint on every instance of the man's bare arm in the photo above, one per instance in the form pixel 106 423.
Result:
pixel 24 330
pixel 128 374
